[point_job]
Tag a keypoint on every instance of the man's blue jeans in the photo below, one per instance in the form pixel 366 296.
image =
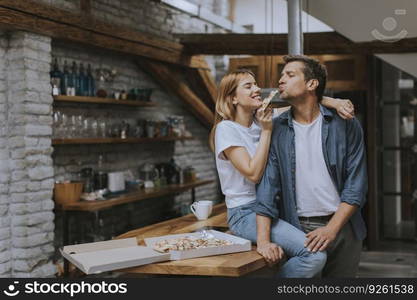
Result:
pixel 301 262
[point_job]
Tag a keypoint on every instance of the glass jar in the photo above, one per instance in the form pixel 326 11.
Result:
pixel 190 174
pixel 88 180
pixel 181 126
pixel 150 129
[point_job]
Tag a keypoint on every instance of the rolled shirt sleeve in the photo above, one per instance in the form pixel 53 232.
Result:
pixel 356 181
pixel 269 187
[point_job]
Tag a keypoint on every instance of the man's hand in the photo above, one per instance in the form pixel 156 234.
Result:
pixel 270 251
pixel 319 239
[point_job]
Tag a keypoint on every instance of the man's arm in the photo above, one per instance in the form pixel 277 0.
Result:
pixel 266 209
pixel 356 181
pixel 353 193
pixel 270 251
pixel 270 185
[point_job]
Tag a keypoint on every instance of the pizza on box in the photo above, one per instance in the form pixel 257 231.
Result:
pixel 188 243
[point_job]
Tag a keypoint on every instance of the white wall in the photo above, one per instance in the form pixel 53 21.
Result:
pixel 270 16
pixel 406 62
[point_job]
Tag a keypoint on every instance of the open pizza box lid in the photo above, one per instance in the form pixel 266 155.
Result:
pixel 92 258
pixel 238 245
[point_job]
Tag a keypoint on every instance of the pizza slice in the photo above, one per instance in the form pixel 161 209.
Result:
pixel 268 99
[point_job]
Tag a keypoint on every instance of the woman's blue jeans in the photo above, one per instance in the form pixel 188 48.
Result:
pixel 301 263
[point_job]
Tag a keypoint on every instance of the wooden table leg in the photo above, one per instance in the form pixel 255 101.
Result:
pixel 192 195
pixel 65 234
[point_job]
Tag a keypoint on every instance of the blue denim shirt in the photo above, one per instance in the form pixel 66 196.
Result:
pixel 344 154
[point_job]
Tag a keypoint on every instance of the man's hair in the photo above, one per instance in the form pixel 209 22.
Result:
pixel 313 69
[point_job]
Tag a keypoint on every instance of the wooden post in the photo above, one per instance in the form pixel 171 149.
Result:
pixel 85 6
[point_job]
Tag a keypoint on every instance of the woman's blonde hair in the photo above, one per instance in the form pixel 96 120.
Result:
pixel 225 109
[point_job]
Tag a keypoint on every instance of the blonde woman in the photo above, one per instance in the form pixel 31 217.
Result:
pixel 241 138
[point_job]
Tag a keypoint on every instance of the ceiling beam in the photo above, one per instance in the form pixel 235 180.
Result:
pixel 276 44
pixel 203 84
pixel 208 82
pixel 32 16
pixel 171 78
pixel 85 6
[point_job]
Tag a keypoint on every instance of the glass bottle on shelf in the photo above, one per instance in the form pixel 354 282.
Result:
pixel 85 131
pixel 101 84
pixel 82 82
pixel 94 128
pixel 175 172
pixel 55 124
pixel 100 177
pixel 74 80
pixel 73 126
pixel 124 133
pixel 102 127
pixel 162 177
pixel 65 83
pixel 91 86
pixel 56 78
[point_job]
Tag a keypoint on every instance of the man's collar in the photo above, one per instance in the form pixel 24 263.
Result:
pixel 327 113
pixel 287 117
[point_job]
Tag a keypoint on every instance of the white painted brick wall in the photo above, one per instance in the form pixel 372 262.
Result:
pixel 27 206
pixel 29 235
pixel 5 230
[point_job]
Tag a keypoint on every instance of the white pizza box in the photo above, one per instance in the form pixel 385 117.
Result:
pixel 239 245
pixel 92 258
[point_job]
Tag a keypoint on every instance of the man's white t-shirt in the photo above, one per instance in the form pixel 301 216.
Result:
pixel 237 189
pixel 315 191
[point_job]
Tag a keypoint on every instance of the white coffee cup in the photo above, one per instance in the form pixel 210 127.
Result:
pixel 202 209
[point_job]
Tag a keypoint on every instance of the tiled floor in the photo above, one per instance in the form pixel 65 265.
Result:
pixel 392 259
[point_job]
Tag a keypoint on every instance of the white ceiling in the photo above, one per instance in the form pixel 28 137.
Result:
pixel 367 20
pixel 270 16
pixel 357 19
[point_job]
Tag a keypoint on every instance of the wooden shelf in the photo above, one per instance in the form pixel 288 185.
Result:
pixel 131 197
pixel 97 100
pixel 81 141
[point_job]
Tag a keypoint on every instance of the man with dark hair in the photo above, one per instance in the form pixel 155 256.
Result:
pixel 316 175
pixel 312 69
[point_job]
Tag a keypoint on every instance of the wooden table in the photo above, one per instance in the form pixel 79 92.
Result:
pixel 97 205
pixel 231 265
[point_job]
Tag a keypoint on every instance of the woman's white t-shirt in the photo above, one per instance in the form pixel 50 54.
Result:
pixel 237 189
